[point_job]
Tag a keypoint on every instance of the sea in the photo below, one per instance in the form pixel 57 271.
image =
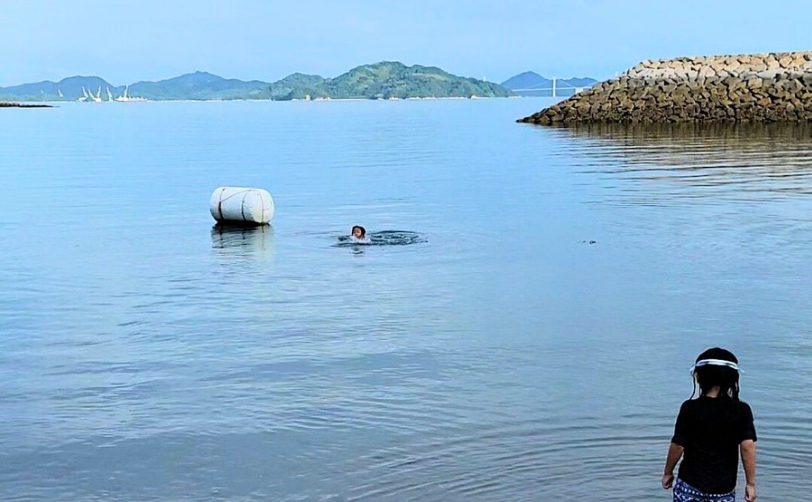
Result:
pixel 531 339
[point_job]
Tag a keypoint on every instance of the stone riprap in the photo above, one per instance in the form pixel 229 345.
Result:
pixel 774 87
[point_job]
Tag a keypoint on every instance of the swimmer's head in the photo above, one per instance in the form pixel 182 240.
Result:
pixel 359 232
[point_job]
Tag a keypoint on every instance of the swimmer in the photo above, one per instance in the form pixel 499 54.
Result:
pixel 359 235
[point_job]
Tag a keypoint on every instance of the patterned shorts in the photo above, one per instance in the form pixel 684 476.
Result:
pixel 683 492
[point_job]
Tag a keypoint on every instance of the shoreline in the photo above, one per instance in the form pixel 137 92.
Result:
pixel 51 104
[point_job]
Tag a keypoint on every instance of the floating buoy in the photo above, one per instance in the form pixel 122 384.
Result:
pixel 241 205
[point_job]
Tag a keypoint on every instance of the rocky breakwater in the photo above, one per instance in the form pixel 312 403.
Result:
pixel 774 87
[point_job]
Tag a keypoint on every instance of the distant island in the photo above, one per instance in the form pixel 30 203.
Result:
pixel 385 80
pixel 532 84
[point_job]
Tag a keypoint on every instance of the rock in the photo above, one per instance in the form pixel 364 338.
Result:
pixel 731 82
pixel 798 61
pixel 747 98
pixel 776 92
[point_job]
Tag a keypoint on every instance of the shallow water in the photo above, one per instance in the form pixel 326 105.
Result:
pixel 535 346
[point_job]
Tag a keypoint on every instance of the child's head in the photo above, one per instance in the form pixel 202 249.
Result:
pixel 718 367
pixel 359 232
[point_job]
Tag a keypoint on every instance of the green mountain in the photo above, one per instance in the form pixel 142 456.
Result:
pixel 383 80
pixel 200 86
pixel 395 80
pixel 298 86
pixel 68 89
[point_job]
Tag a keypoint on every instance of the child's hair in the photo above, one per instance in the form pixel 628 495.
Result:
pixel 717 367
pixel 359 227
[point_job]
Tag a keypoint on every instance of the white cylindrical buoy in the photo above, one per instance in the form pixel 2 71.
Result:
pixel 241 205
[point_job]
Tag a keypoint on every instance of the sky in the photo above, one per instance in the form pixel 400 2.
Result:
pixel 125 42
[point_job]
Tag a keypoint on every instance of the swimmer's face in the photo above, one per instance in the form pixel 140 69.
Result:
pixel 357 232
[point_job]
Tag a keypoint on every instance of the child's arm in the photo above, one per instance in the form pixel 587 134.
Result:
pixel 748 453
pixel 674 454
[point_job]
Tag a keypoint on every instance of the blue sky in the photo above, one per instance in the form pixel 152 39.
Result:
pixel 124 42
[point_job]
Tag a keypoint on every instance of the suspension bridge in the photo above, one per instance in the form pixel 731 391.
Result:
pixel 556 86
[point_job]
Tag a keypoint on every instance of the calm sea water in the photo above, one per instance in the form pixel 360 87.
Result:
pixel 147 356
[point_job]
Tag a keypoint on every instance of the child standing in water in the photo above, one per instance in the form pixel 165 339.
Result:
pixel 710 433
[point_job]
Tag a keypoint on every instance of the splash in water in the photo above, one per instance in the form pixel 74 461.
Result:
pixel 383 238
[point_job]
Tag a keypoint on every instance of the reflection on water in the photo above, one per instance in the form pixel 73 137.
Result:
pixel 668 162
pixel 506 359
pixel 238 241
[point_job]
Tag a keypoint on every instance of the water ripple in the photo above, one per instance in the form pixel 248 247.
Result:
pixel 147 354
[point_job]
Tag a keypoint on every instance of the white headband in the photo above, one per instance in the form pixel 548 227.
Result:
pixel 716 362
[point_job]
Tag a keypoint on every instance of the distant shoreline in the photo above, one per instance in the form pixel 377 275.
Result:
pixel 53 104
pixel 23 105
pixel 257 100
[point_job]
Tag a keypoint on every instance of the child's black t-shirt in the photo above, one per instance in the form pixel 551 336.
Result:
pixel 710 430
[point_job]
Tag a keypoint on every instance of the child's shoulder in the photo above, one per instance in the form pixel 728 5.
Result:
pixel 745 407
pixel 699 403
